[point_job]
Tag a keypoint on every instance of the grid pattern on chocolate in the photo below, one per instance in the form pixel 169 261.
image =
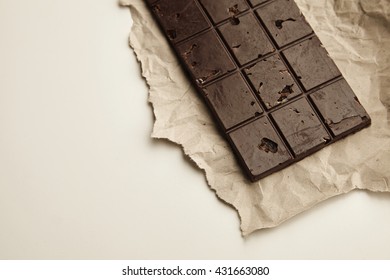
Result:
pixel 265 76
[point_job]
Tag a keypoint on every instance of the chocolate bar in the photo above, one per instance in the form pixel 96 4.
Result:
pixel 270 84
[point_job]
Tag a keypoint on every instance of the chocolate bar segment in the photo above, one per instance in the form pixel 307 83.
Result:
pixel 246 39
pixel 311 63
pixel 272 81
pixel 205 57
pixel 306 132
pixel 222 10
pixel 259 147
pixel 274 91
pixel 340 108
pixel 284 21
pixel 180 18
pixel 232 100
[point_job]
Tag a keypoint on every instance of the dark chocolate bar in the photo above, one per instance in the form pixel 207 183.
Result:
pixel 270 84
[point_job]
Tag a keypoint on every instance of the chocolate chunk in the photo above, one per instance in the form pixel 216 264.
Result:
pixel 274 91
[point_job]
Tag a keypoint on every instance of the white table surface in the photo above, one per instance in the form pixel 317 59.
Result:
pixel 81 178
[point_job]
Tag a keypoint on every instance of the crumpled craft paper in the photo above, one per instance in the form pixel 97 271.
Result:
pixel 356 34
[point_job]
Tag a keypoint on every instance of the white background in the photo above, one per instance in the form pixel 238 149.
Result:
pixel 81 178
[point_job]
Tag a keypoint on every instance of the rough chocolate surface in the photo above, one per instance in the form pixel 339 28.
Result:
pixel 246 39
pixel 260 147
pixel 232 100
pixel 205 57
pixel 284 21
pixel 306 132
pixel 271 86
pixel 180 18
pixel 221 10
pixel 256 2
pixel 311 63
pixel 272 81
pixel 339 108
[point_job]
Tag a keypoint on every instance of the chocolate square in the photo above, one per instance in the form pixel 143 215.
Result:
pixel 340 108
pixel 179 18
pixel 245 38
pixel 301 126
pixel 311 63
pixel 273 81
pixel 284 21
pixel 232 100
pixel 205 57
pixel 259 147
pixel 222 9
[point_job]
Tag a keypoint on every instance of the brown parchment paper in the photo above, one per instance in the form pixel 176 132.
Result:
pixel 356 34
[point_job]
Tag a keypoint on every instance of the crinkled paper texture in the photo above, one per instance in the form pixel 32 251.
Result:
pixel 356 34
